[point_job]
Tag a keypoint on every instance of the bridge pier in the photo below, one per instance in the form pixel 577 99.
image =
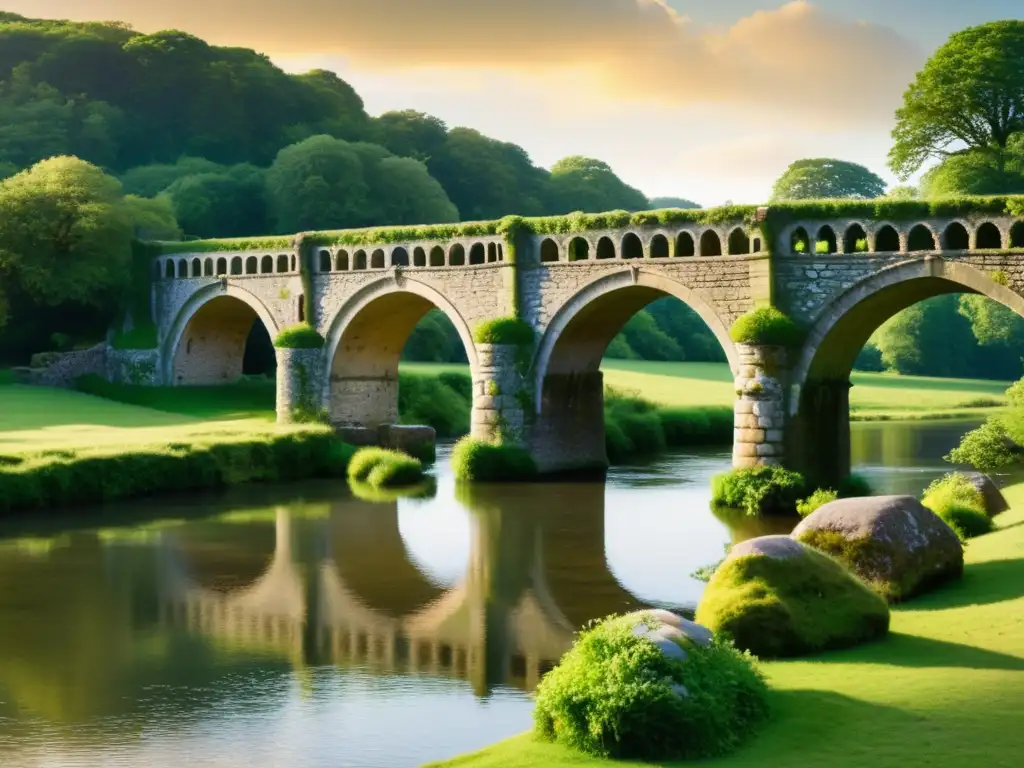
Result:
pixel 819 433
pixel 760 407
pixel 568 436
pixel 299 384
pixel 500 397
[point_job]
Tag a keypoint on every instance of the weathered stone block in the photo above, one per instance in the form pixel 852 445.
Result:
pixel 749 435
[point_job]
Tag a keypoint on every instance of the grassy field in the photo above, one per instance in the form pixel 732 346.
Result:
pixel 946 688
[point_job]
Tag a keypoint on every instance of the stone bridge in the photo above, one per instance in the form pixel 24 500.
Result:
pixel 342 589
pixel 840 279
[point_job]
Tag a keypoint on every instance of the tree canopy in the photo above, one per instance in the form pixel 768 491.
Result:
pixel 591 186
pixel 657 203
pixel 818 178
pixel 968 97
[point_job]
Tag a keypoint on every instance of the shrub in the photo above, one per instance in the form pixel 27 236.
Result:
pixel 854 486
pixel 821 247
pixel 433 401
pixel 986 448
pixel 301 336
pixel 87 475
pixel 783 607
pixel 758 490
pixel 816 500
pixel 479 461
pixel 504 330
pixel 383 468
pixel 956 500
pixel 617 695
pixel 767 326
pixel 709 425
pixel 460 383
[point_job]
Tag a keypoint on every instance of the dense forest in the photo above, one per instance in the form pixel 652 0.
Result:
pixel 163 136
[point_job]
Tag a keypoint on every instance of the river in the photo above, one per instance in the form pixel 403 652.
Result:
pixel 303 627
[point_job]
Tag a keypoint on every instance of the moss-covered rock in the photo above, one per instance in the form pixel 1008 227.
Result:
pixel 779 598
pixel 893 543
pixel 650 686
pixel 992 498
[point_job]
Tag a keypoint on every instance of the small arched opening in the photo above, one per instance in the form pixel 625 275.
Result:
pixel 799 242
pixel 399 257
pixel 956 238
pixel 632 248
pixel 825 243
pixel 757 245
pixel 359 260
pixel 492 253
pixel 341 263
pixel 325 261
pixel 887 240
pixel 855 239
pixel 989 237
pixel 377 259
pixel 197 268
pixel 710 244
pixel 921 239
pixel 236 265
pixel 1017 235
pixel 605 248
pixel 267 265
pixel 169 269
pixel 294 267
pixel 659 247
pixel 300 308
pixel 457 255
pixel 419 257
pixel 208 268
pixel 182 268
pixel 548 251
pixel 222 267
pixel 282 264
pixel 478 254
pixel 437 256
pixel 579 249
pixel 739 242
pixel 685 245
pixel 252 265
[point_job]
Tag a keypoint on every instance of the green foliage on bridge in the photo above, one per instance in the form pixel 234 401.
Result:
pixel 300 336
pixel 504 330
pixel 766 326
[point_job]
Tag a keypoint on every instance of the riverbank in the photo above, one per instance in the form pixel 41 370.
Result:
pixel 945 687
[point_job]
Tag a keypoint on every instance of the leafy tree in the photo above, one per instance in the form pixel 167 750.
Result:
pixel 903 192
pixel 152 218
pixel 151 180
pixel 65 234
pixel 406 193
pixel 435 340
pixel 226 204
pixel 968 97
pixel 410 134
pixel 585 184
pixel 657 203
pixel 819 178
pixel 977 173
pixel 929 338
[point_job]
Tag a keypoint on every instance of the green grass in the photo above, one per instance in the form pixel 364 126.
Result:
pixel 945 688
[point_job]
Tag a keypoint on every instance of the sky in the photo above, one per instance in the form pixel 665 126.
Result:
pixel 704 100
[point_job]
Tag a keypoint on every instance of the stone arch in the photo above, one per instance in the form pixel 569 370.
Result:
pixel 478 254
pixel 819 432
pixel 887 239
pixel 855 239
pixel 252 265
pixel 419 257
pixel 437 257
pixel 685 245
pixel 197 267
pixel 377 259
pixel 826 235
pixel 955 237
pixel 182 268
pixel 632 247
pixel 399 257
pixel 206 341
pixel 236 265
pixel 605 248
pixel 549 251
pixel 282 263
pixel 800 242
pixel 457 255
pixel 267 265
pixel 365 341
pixel 988 237
pixel 659 247
pixel 492 253
pixel 1017 235
pixel 359 260
pixel 222 266
pixel 579 249
pixel 325 260
pixel 208 267
pixel 739 242
pixel 568 359
pixel 921 238
pixel 341 261
pixel 710 243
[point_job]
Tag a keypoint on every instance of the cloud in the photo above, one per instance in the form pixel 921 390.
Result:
pixel 794 59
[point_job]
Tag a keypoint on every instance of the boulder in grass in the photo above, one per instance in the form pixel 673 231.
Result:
pixel 897 546
pixel 992 498
pixel 778 598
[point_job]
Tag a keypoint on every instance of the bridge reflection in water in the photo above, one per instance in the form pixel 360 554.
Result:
pixel 341 589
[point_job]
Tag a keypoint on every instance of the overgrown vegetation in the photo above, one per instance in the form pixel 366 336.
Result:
pixel 504 330
pixel 636 427
pixel 816 501
pixel 301 336
pixel 762 490
pixel 956 500
pixel 481 461
pixel 616 695
pixel 384 468
pixel 766 326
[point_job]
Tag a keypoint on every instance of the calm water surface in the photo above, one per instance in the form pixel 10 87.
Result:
pixel 303 627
